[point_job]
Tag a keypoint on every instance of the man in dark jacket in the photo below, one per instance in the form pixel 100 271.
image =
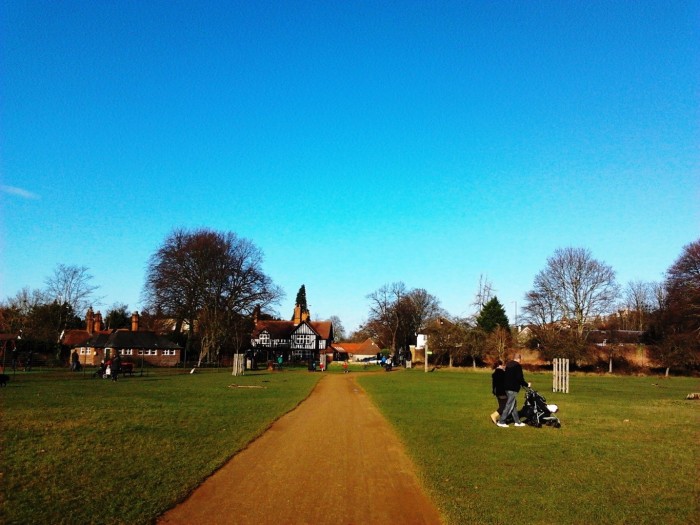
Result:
pixel 513 380
pixel 116 365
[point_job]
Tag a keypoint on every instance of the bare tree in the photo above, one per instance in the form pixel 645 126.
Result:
pixel 71 285
pixel 209 279
pixel 397 314
pixel 638 302
pixel 426 307
pixel 483 294
pixel 683 288
pixel 384 316
pixel 540 308
pixel 675 331
pixel 447 339
pixel 658 295
pixel 575 287
pixel 339 333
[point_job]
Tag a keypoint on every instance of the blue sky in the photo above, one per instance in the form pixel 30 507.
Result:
pixel 355 143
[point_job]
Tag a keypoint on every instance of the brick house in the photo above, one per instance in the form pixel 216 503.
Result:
pixel 94 344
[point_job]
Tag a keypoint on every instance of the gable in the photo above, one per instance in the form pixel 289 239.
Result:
pixel 305 328
pixel 276 329
pixel 74 338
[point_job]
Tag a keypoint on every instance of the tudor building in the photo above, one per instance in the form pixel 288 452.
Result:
pixel 297 340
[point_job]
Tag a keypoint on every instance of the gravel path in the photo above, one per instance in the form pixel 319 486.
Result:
pixel 332 460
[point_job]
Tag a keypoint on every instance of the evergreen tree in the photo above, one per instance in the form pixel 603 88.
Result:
pixel 301 299
pixel 492 315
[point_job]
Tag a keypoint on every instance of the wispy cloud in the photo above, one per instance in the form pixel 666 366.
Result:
pixel 19 192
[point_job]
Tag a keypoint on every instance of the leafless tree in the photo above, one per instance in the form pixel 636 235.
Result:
pixel 483 294
pixel 71 285
pixel 384 317
pixel 638 302
pixel 397 314
pixel 675 332
pixel 208 279
pixel 338 328
pixel 683 287
pixel 573 287
pixel 425 308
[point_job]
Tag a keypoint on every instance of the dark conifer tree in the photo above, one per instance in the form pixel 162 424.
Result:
pixel 492 315
pixel 301 299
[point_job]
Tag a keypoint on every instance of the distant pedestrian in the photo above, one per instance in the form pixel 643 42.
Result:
pixel 514 379
pixel 498 388
pixel 28 364
pixel 345 366
pixel 116 366
pixel 14 358
pixel 74 361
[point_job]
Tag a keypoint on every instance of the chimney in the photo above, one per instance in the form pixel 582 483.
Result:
pixel 89 320
pixel 256 315
pixel 304 316
pixel 135 322
pixel 297 315
pixel 97 324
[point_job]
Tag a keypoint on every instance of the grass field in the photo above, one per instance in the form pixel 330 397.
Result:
pixel 627 452
pixel 78 450
pixel 81 450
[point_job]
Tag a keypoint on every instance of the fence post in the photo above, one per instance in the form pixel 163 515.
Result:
pixel 560 375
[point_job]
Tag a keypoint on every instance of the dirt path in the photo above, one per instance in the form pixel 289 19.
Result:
pixel 363 475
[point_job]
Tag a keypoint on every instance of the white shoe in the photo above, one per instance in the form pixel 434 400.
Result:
pixel 520 424
pixel 502 425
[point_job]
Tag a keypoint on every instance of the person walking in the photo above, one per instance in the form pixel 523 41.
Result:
pixel 513 380
pixel 74 361
pixel 498 388
pixel 116 365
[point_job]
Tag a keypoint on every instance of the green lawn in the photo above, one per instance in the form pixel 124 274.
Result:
pixel 627 451
pixel 81 450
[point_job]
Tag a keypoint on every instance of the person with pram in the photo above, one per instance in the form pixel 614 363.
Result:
pixel 513 380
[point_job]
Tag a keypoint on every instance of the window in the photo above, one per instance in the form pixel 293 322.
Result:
pixel 303 340
pixel 85 351
pixel 302 355
pixel 264 339
pixel 168 352
pixel 128 351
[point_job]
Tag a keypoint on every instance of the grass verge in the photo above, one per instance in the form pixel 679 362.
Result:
pixel 83 450
pixel 627 451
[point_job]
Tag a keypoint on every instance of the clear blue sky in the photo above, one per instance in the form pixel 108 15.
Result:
pixel 355 143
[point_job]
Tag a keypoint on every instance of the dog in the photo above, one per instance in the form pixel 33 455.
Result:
pixel 4 379
pixel 694 395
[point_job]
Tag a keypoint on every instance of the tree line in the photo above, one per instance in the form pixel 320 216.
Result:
pixel 572 296
pixel 208 284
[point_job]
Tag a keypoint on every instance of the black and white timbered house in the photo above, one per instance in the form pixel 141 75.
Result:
pixel 296 340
